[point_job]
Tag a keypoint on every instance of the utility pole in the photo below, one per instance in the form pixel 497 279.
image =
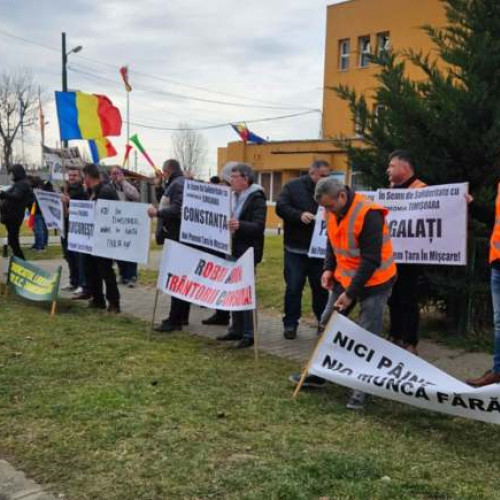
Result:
pixel 64 71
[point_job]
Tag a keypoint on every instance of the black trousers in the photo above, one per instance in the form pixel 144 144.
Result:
pixel 13 229
pixel 403 305
pixel 179 311
pixel 101 270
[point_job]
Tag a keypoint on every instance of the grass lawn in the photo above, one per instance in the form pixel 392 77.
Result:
pixel 93 408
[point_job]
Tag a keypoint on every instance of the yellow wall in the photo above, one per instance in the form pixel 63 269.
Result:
pixel 350 20
pixel 289 157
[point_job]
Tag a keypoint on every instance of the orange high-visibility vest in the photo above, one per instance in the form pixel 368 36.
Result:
pixel 344 238
pixel 495 235
pixel 417 184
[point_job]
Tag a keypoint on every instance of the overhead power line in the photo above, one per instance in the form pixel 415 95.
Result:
pixel 221 125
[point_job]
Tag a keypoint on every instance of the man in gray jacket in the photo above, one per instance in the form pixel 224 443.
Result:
pixel 169 216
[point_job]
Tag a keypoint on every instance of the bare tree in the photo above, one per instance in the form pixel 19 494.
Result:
pixel 18 107
pixel 190 148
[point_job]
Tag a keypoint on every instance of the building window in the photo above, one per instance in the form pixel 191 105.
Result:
pixel 344 54
pixel 364 51
pixel 272 183
pixel 383 43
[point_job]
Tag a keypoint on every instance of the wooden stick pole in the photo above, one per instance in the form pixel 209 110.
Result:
pixel 53 309
pixel 256 332
pixel 308 366
pixel 154 309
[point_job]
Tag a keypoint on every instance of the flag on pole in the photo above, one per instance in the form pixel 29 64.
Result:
pixel 246 135
pixel 86 116
pixel 128 148
pixel 124 73
pixel 101 148
pixel 31 219
pixel 135 140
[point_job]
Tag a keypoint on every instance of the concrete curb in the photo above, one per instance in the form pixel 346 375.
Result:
pixel 14 485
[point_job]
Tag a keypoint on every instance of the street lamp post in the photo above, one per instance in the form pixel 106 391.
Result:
pixel 65 55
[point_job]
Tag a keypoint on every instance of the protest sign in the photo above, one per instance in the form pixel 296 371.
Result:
pixel 51 208
pixel 206 209
pixel 81 226
pixel 206 280
pixel 428 225
pixel 317 248
pixel 59 159
pixel 351 356
pixel 32 282
pixel 122 231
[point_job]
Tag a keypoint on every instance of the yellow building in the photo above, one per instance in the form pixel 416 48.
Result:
pixel 355 29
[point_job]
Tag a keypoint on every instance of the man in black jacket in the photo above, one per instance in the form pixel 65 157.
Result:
pixel 74 190
pixel 247 225
pixel 169 224
pixel 297 207
pixel 101 269
pixel 13 204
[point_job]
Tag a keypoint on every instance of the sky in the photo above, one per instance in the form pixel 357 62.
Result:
pixel 258 60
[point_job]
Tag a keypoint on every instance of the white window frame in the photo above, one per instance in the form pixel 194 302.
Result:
pixel 364 50
pixel 383 42
pixel 344 55
pixel 270 201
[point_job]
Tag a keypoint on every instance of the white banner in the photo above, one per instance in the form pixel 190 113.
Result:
pixel 206 280
pixel 122 231
pixel 81 226
pixel 59 159
pixel 429 225
pixel 206 209
pixel 51 208
pixel 351 356
pixel 317 248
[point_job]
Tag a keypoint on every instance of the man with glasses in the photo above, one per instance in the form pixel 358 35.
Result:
pixel 359 265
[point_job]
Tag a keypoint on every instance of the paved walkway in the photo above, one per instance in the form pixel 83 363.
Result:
pixel 139 302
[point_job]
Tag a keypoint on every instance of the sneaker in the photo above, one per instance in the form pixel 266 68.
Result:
pixel 357 401
pixel 309 381
pixel 78 291
pixel 290 332
pixel 68 287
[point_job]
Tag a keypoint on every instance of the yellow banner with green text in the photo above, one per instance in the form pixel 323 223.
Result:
pixel 32 282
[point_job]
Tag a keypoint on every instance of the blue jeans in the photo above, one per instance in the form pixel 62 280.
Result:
pixel 495 296
pixel 41 232
pixel 298 268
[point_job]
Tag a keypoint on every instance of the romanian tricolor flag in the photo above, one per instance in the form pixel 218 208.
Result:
pixel 86 116
pixel 101 148
pixel 246 136
pixel 31 218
